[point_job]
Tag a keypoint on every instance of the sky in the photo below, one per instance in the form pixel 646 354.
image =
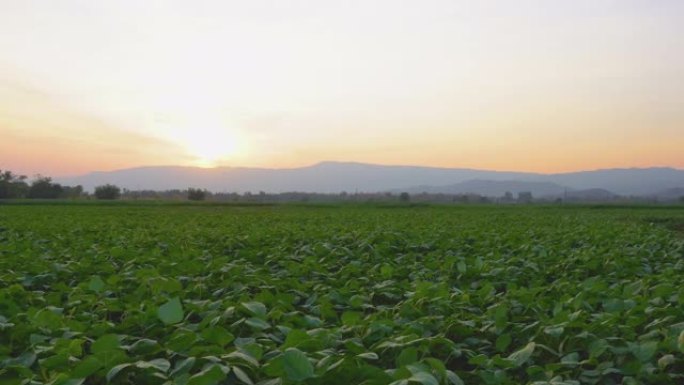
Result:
pixel 526 85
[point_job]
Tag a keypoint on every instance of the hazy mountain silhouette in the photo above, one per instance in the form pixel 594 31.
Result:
pixel 333 177
pixel 493 188
pixel 592 194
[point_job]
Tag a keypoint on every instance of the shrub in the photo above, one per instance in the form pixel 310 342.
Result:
pixel 108 191
pixel 43 188
pixel 195 194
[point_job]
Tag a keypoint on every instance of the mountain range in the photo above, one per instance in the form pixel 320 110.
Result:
pixel 334 177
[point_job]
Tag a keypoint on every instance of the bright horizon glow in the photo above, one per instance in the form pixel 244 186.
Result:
pixel 531 85
pixel 208 139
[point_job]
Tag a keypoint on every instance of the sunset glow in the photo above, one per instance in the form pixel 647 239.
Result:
pixel 528 85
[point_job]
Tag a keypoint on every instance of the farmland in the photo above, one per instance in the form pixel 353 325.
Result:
pixel 212 294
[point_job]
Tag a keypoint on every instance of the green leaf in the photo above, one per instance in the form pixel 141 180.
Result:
pixel 522 355
pixel 183 366
pixel 63 379
pixel 113 372
pixel 171 312
pixel 296 365
pixel 454 379
pixel 258 323
pixel 368 356
pixel 26 359
pixel 644 351
pixel 144 347
pixel 571 359
pixel 407 357
pixel 295 337
pixel 461 267
pixel 242 376
pixel 436 365
pixel 424 378
pixel 351 317
pixel 257 309
pixel 86 367
pixel 105 343
pixel 502 342
pixel 243 357
pixel 54 362
pixel 210 375
pixel 217 335
pixel 680 342
pixel 554 331
pixel 597 347
pixel 96 284
pixel 666 361
pixel 159 364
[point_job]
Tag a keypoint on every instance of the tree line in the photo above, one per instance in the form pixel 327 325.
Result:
pixel 15 186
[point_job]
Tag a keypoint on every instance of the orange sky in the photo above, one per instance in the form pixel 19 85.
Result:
pixel 529 85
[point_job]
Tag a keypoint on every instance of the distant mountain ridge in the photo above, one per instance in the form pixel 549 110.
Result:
pixel 492 188
pixel 334 177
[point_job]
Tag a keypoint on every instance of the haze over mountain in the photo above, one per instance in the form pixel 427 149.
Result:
pixel 334 177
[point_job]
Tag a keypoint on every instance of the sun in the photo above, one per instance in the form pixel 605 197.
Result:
pixel 212 148
pixel 209 142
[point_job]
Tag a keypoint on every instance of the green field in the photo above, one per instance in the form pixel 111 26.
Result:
pixel 213 294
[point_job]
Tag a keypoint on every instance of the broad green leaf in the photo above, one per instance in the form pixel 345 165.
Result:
pixel 296 365
pixel 55 362
pixel 113 372
pixel 522 355
pixel 597 347
pixel 257 309
pixel 171 312
pixel 454 379
pixel 87 367
pixel 242 375
pixel 461 266
pixel 295 337
pixel 105 343
pixel 257 323
pixel 160 364
pixel 644 351
pixel 210 375
pixel 424 378
pixel 217 335
pixel 502 342
pixel 407 356
pixel 144 346
pixel 96 284
pixel 351 317
pixel 666 361
pixel 183 366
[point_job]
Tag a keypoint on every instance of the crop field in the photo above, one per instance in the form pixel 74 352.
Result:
pixel 210 294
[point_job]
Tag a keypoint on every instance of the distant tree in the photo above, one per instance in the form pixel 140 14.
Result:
pixel 107 191
pixel 508 196
pixel 72 192
pixel 484 199
pixel 195 194
pixel 12 185
pixel 404 197
pixel 524 197
pixel 681 199
pixel 43 188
